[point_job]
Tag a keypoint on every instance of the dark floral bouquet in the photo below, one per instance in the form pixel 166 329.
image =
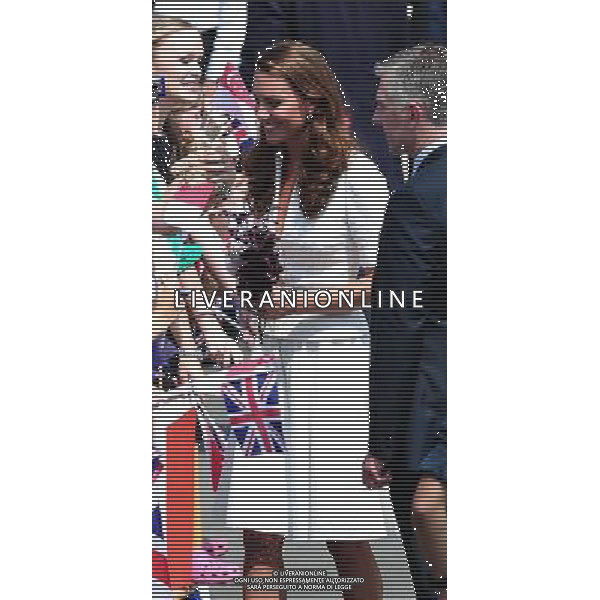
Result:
pixel 258 265
pixel 258 270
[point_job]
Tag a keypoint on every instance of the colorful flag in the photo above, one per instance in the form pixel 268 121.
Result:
pixel 176 501
pixel 233 99
pixel 252 403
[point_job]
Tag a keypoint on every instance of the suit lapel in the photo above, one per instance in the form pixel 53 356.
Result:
pixel 436 155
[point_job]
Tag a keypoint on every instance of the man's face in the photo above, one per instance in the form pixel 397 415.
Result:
pixel 396 120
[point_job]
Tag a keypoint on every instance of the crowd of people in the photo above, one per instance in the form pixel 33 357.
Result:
pixel 302 206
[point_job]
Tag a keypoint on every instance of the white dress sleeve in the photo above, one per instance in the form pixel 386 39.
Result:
pixel 367 197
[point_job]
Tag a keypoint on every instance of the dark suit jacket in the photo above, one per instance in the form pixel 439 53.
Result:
pixel 408 346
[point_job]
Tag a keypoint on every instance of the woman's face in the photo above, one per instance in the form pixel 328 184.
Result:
pixel 281 112
pixel 177 58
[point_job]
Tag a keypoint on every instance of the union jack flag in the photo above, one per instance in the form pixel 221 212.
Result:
pixel 252 403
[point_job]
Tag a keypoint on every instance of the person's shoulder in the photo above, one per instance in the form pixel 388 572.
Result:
pixel 429 184
pixel 359 162
pixel 362 172
pixel 364 187
pixel 433 169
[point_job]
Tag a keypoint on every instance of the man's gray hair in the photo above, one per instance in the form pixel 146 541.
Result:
pixel 418 73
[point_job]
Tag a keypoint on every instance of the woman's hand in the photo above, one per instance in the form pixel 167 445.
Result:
pixel 205 163
pixel 249 324
pixel 208 156
pixel 375 473
pixel 237 200
pixel 223 350
pixel 190 365
pixel 235 203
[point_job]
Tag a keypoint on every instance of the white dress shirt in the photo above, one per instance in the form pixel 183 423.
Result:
pixel 425 152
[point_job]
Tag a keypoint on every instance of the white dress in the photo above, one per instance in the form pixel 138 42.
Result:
pixel 314 492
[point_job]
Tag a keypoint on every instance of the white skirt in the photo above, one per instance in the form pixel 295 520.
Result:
pixel 314 492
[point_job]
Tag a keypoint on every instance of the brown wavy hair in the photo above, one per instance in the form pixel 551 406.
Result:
pixel 329 136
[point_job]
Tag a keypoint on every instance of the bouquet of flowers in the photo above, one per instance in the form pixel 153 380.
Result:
pixel 259 268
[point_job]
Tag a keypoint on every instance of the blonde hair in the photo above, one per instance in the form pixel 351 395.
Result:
pixel 163 26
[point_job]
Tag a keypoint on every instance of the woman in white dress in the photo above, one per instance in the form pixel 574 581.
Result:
pixel 325 202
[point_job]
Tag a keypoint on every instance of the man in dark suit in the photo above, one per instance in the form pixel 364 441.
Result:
pixel 407 447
